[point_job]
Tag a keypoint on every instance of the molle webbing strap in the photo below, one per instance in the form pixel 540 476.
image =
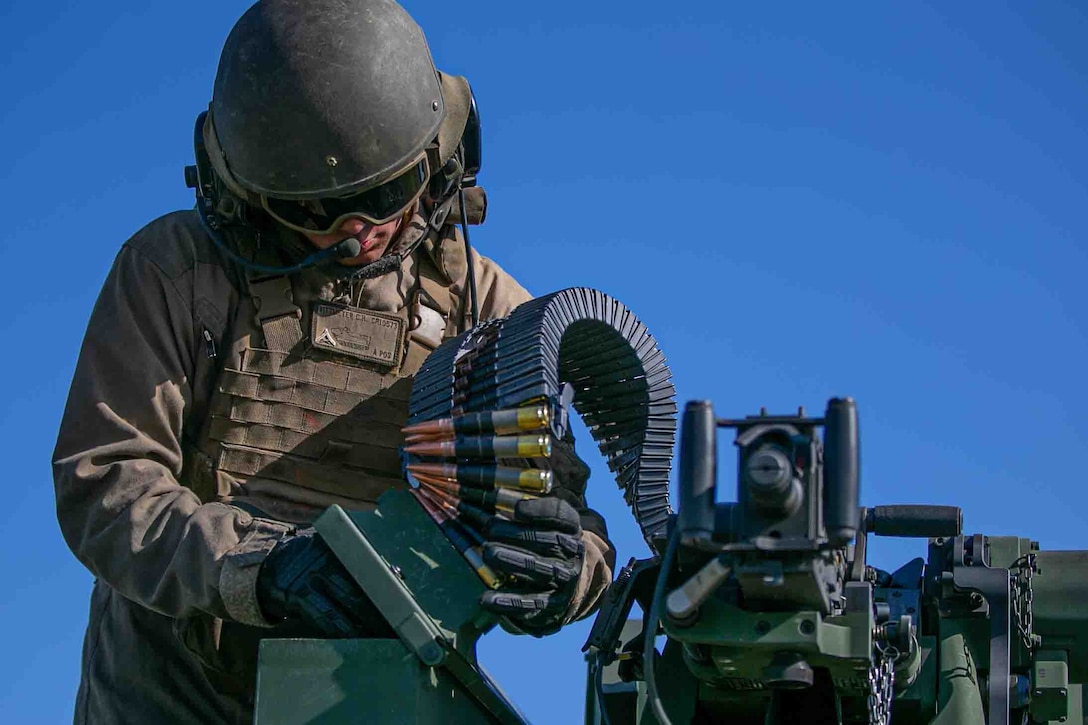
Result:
pixel 327 373
pixel 327 447
pixel 306 395
pixel 355 482
pixel 277 313
pixel 584 338
pixel 352 429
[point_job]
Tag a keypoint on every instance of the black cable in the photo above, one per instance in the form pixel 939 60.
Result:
pixel 649 654
pixel 344 249
pixel 468 256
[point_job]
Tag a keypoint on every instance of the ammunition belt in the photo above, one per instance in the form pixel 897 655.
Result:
pixel 575 346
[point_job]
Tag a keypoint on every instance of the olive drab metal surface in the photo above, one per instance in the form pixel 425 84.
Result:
pixel 773 616
pixel 429 595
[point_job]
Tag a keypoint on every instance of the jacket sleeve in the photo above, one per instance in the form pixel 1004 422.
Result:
pixel 118 457
pixel 499 295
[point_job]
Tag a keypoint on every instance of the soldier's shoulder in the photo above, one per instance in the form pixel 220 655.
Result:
pixel 490 267
pixel 500 291
pixel 175 243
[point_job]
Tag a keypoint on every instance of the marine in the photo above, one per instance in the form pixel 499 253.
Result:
pixel 216 408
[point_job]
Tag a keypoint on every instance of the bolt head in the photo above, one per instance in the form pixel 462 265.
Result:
pixel 331 161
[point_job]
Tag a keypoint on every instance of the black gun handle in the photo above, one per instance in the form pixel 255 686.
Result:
pixel 698 472
pixel 908 520
pixel 842 463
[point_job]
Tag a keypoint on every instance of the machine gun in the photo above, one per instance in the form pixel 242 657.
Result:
pixel 771 614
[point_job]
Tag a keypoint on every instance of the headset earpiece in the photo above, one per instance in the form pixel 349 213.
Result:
pixel 471 144
pixel 200 176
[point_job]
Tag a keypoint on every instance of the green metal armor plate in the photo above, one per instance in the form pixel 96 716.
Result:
pixel 429 594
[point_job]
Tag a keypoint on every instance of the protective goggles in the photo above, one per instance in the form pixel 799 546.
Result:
pixel 377 205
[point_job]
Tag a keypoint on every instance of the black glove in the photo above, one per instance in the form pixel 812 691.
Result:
pixel 541 553
pixel 301 580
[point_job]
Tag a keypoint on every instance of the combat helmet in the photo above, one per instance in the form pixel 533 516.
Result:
pixel 324 109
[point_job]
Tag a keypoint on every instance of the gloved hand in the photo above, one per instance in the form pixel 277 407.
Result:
pixel 302 580
pixel 541 552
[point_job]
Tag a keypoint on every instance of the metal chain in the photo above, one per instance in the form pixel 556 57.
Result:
pixel 1022 599
pixel 881 684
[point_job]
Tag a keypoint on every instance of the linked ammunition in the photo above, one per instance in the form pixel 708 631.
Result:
pixel 471 554
pixel 475 519
pixel 453 517
pixel 501 422
pixel 500 499
pixel 501 399
pixel 534 480
pixel 485 447
pixel 577 339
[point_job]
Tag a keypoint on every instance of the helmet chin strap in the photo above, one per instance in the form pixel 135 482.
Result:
pixel 350 247
pixel 438 217
pixel 344 249
pixel 468 256
pixel 393 259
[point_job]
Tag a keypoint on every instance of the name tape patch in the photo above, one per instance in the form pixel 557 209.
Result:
pixel 363 334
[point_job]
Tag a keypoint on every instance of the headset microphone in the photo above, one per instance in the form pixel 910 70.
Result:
pixel 344 249
pixel 348 248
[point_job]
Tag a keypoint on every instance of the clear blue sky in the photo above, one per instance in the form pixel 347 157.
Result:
pixel 888 201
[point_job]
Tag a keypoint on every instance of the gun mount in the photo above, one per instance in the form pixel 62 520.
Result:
pixel 772 615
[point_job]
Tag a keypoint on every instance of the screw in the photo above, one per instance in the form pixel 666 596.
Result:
pixel 331 161
pixel 807 626
pixel 1038 693
pixel 1062 692
pixel 434 105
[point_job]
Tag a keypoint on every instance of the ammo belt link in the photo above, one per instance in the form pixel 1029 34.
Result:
pixel 578 341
